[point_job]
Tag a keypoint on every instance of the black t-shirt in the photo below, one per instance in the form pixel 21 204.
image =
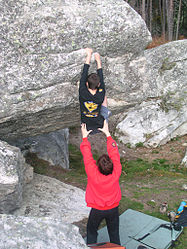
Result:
pixel 90 104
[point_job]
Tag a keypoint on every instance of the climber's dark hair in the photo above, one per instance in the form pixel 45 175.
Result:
pixel 93 81
pixel 105 165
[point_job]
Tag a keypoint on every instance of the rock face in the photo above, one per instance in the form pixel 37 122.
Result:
pixel 48 197
pixel 41 44
pixel 151 125
pixel 36 233
pixel 52 147
pixel 163 113
pixel 12 177
pixel 42 197
pixel 42 54
pixel 184 160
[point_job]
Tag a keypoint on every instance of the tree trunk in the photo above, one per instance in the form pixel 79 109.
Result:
pixel 139 7
pixel 143 10
pixel 150 15
pixel 163 17
pixel 178 19
pixel 169 7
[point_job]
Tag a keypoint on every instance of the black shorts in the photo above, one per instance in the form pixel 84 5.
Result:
pixel 93 124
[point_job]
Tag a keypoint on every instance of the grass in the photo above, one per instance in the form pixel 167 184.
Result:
pixel 40 166
pixel 144 184
pixel 139 145
pixel 154 168
pixel 127 203
pixel 155 152
pixel 75 159
pixel 151 203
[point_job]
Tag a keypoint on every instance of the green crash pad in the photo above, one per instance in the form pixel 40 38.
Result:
pixel 135 225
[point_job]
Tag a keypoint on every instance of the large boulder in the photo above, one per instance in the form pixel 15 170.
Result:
pixel 41 44
pixel 161 94
pixel 150 125
pixel 48 197
pixel 12 177
pixel 51 147
pixel 36 233
pixel 155 73
pixel 42 52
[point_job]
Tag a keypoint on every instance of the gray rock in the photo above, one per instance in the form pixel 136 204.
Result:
pixel 184 187
pixel 148 123
pixel 41 44
pixel 52 147
pixel 184 160
pixel 28 174
pixel 48 197
pixel 12 177
pixel 161 95
pixel 155 73
pixel 38 233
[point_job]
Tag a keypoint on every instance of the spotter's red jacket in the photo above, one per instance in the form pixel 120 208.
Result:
pixel 102 192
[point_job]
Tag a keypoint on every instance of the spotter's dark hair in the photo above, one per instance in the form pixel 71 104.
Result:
pixel 105 165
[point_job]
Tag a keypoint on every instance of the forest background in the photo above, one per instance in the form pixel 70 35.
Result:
pixel 165 19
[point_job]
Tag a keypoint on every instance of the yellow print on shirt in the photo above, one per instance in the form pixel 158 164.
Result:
pixel 90 106
pixel 91 114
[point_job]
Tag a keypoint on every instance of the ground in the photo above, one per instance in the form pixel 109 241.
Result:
pixel 173 151
pixel 150 177
pixel 145 192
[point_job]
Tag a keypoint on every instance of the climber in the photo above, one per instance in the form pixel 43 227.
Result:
pixel 93 102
